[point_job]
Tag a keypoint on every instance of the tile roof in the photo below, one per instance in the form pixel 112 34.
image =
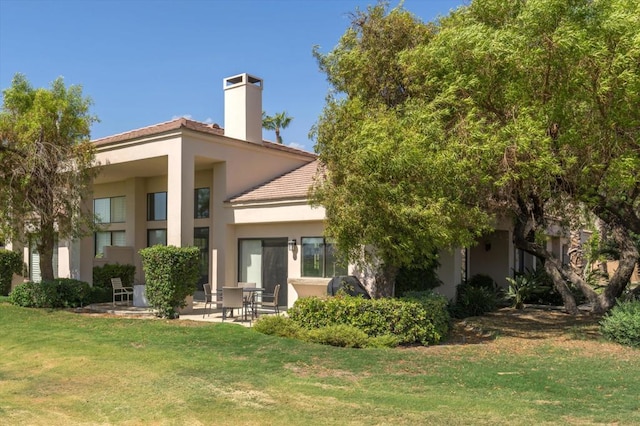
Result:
pixel 185 123
pixel 291 185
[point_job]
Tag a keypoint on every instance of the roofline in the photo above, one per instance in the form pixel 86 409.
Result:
pixel 196 126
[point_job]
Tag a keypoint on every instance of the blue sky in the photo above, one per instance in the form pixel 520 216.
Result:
pixel 148 61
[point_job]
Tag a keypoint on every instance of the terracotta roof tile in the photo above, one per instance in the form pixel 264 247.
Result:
pixel 291 185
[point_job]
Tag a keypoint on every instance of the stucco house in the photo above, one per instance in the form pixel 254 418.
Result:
pixel 240 199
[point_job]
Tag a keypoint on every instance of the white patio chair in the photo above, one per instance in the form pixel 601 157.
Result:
pixel 120 290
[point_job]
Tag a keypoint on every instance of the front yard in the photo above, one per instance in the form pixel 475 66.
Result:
pixel 531 367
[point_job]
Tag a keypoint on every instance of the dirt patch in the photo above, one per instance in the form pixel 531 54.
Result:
pixel 519 331
pixel 529 323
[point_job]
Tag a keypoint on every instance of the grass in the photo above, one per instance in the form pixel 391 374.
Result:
pixel 63 368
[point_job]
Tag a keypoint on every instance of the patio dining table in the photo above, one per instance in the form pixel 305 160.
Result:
pixel 248 292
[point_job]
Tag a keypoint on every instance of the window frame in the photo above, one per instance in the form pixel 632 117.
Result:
pixel 197 208
pixel 326 247
pixel 152 214
pixel 155 230
pixel 95 240
pixel 111 209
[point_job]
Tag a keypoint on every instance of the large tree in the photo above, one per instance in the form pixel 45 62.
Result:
pixel 47 165
pixel 532 104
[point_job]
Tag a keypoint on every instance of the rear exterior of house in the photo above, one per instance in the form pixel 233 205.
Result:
pixel 242 200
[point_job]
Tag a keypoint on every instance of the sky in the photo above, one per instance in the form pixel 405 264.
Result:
pixel 144 62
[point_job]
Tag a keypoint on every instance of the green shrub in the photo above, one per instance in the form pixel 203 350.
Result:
pixel 384 341
pixel 406 319
pixel 622 324
pixel 59 293
pixel 10 263
pixel 171 274
pixel 345 336
pixel 411 279
pixel 474 301
pixel 436 307
pixel 102 275
pixel 278 325
pixel 482 281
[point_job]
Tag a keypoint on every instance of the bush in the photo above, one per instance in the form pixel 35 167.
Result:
pixel 406 319
pixel 345 336
pixel 10 263
pixel 102 275
pixel 474 301
pixel 171 274
pixel 436 307
pixel 411 279
pixel 278 325
pixel 622 324
pixel 59 293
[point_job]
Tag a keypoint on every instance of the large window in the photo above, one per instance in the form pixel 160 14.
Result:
pixel 108 238
pixel 319 258
pixel 157 206
pixel 109 210
pixel 156 237
pixel 201 203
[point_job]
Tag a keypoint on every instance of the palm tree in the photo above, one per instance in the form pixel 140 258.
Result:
pixel 276 122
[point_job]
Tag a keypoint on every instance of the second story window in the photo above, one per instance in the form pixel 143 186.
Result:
pixel 109 210
pixel 157 206
pixel 201 203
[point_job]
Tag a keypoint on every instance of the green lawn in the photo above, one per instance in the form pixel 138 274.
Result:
pixel 65 368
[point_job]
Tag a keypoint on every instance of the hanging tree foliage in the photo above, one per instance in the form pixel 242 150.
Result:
pixel 524 109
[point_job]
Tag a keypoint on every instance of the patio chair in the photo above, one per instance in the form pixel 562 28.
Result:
pixel 120 290
pixel 231 299
pixel 272 304
pixel 209 299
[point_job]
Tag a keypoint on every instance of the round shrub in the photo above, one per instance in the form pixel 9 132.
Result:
pixel 278 325
pixel 437 308
pixel 622 324
pixel 59 293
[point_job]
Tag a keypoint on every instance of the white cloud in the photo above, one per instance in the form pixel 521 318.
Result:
pixel 187 116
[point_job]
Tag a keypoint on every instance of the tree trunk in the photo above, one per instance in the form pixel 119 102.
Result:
pixel 628 259
pixel 385 281
pixel 45 249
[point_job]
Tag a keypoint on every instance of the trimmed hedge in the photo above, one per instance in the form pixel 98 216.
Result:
pixel 408 319
pixel 622 324
pixel 10 263
pixel 59 293
pixel 102 275
pixel 171 275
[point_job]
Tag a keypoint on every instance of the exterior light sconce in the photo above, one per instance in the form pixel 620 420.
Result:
pixel 487 246
pixel 292 244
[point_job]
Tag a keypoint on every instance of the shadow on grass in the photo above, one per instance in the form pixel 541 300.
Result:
pixel 529 323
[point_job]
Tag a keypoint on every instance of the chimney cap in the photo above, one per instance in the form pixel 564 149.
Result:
pixel 243 78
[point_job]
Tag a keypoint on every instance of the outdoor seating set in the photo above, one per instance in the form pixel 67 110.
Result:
pixel 245 297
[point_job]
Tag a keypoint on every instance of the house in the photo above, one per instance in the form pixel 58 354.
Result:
pixel 240 199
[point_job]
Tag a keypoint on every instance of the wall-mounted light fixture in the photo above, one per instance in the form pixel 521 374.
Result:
pixel 292 244
pixel 487 246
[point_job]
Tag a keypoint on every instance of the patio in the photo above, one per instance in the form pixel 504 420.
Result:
pixel 195 313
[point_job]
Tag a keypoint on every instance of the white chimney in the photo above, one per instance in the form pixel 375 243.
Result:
pixel 243 107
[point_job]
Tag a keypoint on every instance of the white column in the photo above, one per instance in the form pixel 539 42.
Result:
pixel 180 193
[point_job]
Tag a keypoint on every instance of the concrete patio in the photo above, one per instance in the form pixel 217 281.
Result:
pixel 194 313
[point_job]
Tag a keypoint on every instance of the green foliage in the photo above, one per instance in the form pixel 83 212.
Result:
pixel 346 336
pixel 406 319
pixel 57 293
pixel 622 324
pixel 436 308
pixel 48 164
pixel 171 275
pixel 476 297
pixel 279 325
pixel 102 274
pixel 410 279
pixel 10 263
pixel 276 122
